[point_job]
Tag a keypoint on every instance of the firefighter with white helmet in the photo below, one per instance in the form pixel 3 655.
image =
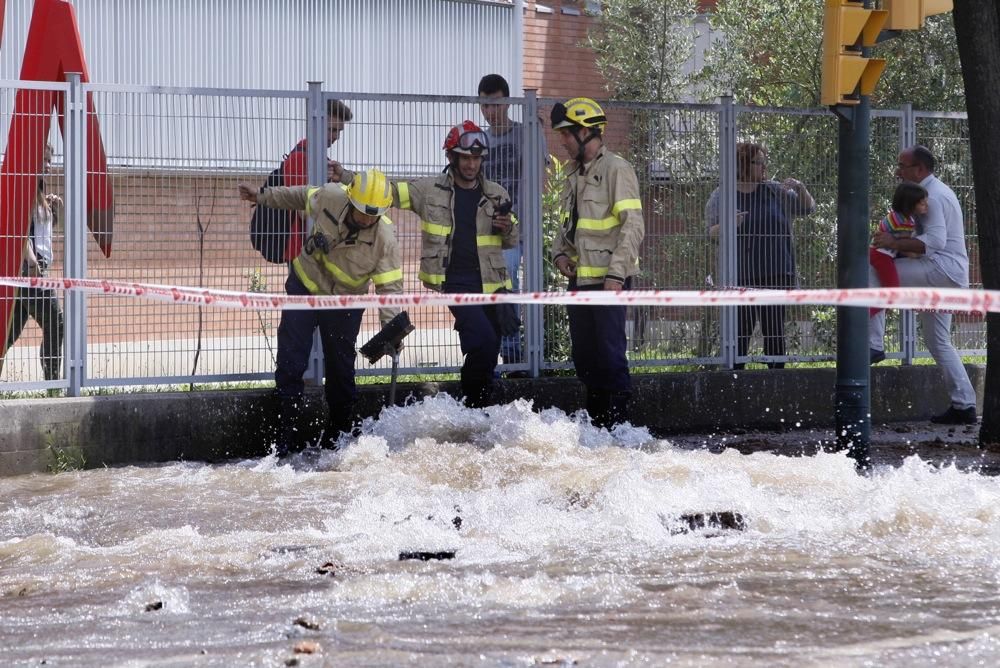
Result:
pixel 351 245
pixel 597 248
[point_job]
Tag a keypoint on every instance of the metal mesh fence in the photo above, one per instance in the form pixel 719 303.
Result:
pixel 32 237
pixel 176 156
pixel 175 161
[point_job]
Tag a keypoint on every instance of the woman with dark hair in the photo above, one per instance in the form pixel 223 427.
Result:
pixel 766 253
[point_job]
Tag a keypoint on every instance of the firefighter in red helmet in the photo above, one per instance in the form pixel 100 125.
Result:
pixel 465 225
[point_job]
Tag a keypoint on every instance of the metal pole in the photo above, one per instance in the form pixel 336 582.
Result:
pixel 727 230
pixel 907 318
pixel 75 213
pixel 392 382
pixel 316 168
pixel 517 40
pixel 531 231
pixel 853 393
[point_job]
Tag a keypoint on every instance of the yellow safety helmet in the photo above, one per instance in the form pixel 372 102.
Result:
pixel 580 111
pixel 370 192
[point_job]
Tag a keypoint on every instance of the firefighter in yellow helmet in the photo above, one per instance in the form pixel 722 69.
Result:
pixel 351 246
pixel 597 248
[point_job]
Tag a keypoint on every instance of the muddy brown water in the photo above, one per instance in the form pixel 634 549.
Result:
pixel 570 549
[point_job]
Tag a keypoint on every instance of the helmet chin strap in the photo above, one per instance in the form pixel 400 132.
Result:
pixel 582 144
pixel 351 224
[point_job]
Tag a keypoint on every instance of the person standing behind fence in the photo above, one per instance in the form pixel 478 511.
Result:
pixel 41 304
pixel 936 258
pixel 597 248
pixel 464 229
pixel 505 165
pixel 351 245
pixel 765 249
pixel 295 170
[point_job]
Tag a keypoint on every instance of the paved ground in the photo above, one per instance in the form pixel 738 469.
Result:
pixel 890 444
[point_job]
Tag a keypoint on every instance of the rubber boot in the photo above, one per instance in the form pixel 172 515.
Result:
pixel 618 408
pixel 477 390
pixel 598 408
pixel 51 368
pixel 340 420
pixel 289 436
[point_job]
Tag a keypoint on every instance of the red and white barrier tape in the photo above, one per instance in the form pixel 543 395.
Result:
pixel 944 299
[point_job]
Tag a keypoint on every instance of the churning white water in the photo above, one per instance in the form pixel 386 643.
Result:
pixel 570 548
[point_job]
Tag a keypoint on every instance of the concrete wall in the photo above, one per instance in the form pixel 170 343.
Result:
pixel 48 434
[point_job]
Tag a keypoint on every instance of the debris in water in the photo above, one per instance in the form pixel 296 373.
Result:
pixel 427 556
pixel 307 624
pixel 154 606
pixel 726 519
pixel 306 647
pixel 329 568
pixel 291 549
pixel 555 661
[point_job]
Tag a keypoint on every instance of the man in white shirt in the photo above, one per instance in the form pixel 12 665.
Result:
pixel 938 259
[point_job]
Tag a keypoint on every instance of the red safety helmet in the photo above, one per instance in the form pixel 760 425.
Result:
pixel 467 138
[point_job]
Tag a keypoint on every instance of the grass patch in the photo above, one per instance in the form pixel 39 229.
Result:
pixel 63 460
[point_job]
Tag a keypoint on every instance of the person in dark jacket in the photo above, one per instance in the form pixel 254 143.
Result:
pixel 766 252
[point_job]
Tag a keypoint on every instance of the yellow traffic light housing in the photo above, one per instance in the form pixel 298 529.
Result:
pixel 847 26
pixel 910 14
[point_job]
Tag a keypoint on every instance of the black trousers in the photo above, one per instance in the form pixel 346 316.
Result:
pixel 480 339
pixel 597 334
pixel 771 319
pixel 339 333
pixel 43 306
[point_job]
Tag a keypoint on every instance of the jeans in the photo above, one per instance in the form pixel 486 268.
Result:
pixel 935 327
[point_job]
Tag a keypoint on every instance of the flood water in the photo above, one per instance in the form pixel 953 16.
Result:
pixel 569 550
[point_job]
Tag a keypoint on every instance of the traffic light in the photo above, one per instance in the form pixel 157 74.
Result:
pixel 847 26
pixel 910 14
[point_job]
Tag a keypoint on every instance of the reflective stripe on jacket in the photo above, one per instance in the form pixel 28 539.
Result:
pixel 609 228
pixel 433 200
pixel 334 260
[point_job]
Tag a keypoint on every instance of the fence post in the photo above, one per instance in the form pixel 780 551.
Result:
pixel 908 319
pixel 316 173
pixel 727 232
pixel 532 177
pixel 75 214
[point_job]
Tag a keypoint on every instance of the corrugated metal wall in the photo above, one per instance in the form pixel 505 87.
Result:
pixel 378 46
pixel 429 47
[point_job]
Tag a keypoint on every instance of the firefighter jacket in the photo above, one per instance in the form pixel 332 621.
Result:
pixel 336 260
pixel 432 199
pixel 602 220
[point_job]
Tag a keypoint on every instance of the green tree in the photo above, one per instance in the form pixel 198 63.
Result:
pixel 642 47
pixel 770 54
pixel 765 54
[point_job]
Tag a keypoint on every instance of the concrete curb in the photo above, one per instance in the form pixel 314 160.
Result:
pixel 50 434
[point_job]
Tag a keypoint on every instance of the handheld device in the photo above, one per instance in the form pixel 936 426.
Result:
pixel 387 340
pixel 501 210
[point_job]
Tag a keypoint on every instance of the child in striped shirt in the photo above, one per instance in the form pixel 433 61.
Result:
pixel 908 202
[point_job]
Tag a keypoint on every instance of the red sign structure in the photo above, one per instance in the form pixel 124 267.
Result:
pixel 53 48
